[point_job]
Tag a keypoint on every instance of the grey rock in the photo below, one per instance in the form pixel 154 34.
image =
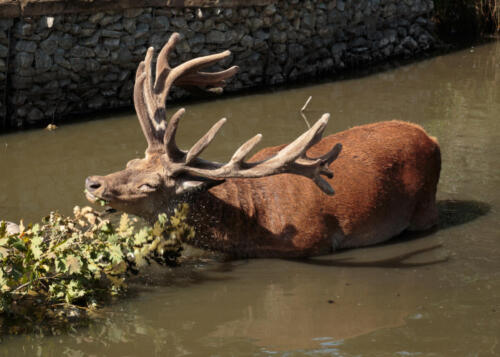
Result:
pixel 231 37
pixel 50 44
pixel 43 62
pixel 183 47
pixel 409 43
pixel 96 102
pixel 196 26
pixel 102 52
pixel 129 42
pixel 91 65
pixel 77 64
pixel 66 41
pixel 95 18
pixel 340 5
pixel 256 23
pixel 179 22
pixel 117 26
pixel 278 36
pixel 383 42
pixel 129 25
pixel 221 27
pixel 145 18
pixel 339 48
pixel 112 43
pixel 24 59
pixel 141 30
pixel 21 46
pixel 161 22
pixel 269 10
pixel 262 35
pixel 109 19
pixel 21 112
pixel 86 32
pixel 247 41
pixel 111 33
pixel 93 40
pixel 359 42
pixel 308 21
pixel 61 61
pixel 295 50
pixel 35 114
pixel 197 39
pixel 215 37
pixel 51 86
pixel 391 35
pixel 82 52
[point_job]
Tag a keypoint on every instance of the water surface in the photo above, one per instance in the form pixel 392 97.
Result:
pixel 435 294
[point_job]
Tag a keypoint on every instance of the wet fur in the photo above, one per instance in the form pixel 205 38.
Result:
pixel 385 182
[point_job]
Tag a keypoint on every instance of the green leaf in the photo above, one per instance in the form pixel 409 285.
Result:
pixel 36 247
pixel 19 245
pixel 141 237
pixel 74 264
pixel 115 253
pixel 162 218
pixel 107 228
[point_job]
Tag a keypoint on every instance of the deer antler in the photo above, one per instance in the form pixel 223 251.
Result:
pixel 291 159
pixel 150 94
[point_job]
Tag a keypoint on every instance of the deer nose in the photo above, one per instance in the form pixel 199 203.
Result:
pixel 92 184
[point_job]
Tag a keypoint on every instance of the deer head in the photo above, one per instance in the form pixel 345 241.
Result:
pixel 147 186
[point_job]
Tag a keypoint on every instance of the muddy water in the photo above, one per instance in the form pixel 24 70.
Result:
pixel 435 294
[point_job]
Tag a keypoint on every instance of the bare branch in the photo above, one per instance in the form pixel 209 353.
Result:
pixel 302 111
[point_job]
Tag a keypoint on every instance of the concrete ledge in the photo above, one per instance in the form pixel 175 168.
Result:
pixel 27 8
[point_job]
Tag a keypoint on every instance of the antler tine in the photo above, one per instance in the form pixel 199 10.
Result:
pixel 141 110
pixel 149 99
pixel 162 66
pixel 187 73
pixel 205 140
pixel 172 151
pixel 244 149
pixel 204 79
pixel 291 159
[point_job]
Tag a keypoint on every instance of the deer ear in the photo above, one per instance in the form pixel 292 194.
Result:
pixel 195 184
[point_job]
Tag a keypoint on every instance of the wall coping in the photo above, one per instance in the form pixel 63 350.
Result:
pixel 27 8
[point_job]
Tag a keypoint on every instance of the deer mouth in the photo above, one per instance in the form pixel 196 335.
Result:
pixel 95 199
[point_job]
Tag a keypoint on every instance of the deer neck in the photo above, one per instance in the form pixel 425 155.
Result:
pixel 228 218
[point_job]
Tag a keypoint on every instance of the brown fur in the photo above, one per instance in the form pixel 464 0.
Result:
pixel 385 182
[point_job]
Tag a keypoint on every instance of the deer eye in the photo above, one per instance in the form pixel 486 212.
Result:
pixel 146 187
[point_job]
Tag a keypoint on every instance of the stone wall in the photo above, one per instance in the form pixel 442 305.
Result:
pixel 58 64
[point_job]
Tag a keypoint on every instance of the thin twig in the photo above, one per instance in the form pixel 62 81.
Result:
pixel 302 112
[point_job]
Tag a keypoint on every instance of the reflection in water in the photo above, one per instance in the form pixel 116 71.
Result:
pixel 436 293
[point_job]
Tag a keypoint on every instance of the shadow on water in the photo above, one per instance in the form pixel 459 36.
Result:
pixel 393 262
pixel 456 212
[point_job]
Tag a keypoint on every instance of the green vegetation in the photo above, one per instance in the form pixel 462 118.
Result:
pixel 63 268
pixel 468 17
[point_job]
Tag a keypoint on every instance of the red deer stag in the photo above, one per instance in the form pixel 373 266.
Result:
pixel 280 203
